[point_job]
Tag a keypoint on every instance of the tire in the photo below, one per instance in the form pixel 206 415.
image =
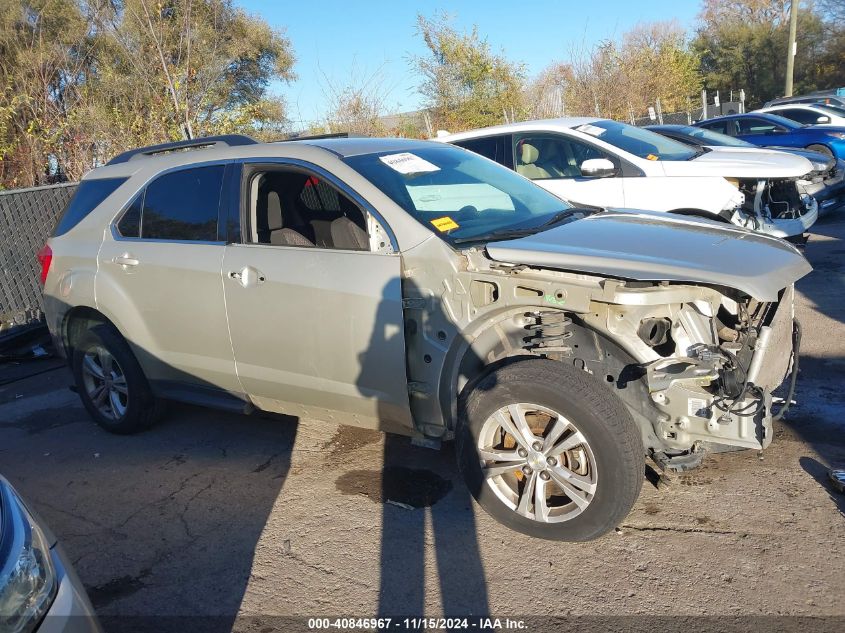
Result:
pixel 822 149
pixel 610 460
pixel 111 384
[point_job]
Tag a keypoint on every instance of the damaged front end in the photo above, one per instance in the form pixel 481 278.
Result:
pixel 826 183
pixel 777 207
pixel 719 391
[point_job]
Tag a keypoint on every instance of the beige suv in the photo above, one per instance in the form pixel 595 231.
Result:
pixel 421 289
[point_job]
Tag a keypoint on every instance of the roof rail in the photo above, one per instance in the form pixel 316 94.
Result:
pixel 314 137
pixel 225 140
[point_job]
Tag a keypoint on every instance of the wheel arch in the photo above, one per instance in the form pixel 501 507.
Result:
pixel 499 341
pixel 77 321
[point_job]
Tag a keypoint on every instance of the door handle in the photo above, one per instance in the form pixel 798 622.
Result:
pixel 247 276
pixel 126 260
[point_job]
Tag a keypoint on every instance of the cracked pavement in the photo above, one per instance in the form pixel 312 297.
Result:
pixel 211 513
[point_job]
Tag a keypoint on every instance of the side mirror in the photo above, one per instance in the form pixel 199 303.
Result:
pixel 598 168
pixel 823 119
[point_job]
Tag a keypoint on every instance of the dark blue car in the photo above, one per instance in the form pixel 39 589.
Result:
pixel 769 130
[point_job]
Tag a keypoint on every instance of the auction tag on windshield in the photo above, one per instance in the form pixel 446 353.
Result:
pixel 592 130
pixel 444 224
pixel 407 163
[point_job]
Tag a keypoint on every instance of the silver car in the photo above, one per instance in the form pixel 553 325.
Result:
pixel 421 289
pixel 38 589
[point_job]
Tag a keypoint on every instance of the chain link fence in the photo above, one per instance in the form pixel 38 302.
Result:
pixel 27 217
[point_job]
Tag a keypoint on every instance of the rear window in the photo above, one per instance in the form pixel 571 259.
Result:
pixel 183 205
pixel 89 194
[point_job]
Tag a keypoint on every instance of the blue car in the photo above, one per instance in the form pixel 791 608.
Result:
pixel 770 130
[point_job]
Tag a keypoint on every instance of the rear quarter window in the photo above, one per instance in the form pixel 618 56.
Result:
pixel 89 195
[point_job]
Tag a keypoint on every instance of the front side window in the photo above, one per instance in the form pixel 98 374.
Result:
pixel 293 207
pixel 756 127
pixel 637 141
pixel 183 205
pixel 552 156
pixel 460 196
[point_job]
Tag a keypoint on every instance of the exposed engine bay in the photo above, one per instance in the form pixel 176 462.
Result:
pixel 774 206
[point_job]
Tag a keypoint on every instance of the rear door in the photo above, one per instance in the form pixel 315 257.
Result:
pixel 315 320
pixel 158 279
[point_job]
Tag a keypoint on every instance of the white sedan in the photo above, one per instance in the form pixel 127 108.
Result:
pixel 809 113
pixel 603 163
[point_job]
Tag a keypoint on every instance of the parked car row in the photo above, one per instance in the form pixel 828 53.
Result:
pixel 608 164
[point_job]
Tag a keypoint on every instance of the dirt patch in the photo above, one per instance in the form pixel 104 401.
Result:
pixel 350 438
pixel 416 488
pixel 47 420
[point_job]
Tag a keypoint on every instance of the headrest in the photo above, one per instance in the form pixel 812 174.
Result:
pixel 274 211
pixel 528 154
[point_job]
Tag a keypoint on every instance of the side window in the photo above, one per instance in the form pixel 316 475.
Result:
pixel 722 127
pixel 288 207
pixel 130 224
pixel 89 194
pixel 551 156
pixel 754 127
pixel 807 117
pixel 183 205
pixel 484 146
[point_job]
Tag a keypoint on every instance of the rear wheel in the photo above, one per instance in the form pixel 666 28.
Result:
pixel 111 384
pixel 547 451
pixel 822 149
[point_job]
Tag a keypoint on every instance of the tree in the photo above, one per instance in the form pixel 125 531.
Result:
pixel 742 44
pixel 81 80
pixel 465 85
pixel 619 80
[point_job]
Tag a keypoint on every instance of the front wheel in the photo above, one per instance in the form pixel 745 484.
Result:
pixel 548 451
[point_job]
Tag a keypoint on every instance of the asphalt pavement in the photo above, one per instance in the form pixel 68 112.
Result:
pixel 227 516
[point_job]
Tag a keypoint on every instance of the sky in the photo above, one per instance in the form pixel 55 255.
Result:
pixel 338 42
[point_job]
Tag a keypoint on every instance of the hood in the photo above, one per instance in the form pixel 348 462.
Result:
pixel 819 161
pixel 651 246
pixel 745 164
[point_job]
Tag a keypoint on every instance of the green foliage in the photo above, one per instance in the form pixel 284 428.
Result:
pixel 83 80
pixel 651 62
pixel 466 85
pixel 742 44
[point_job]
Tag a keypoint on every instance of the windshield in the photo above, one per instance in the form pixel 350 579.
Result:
pixel 637 141
pixel 715 138
pixel 459 195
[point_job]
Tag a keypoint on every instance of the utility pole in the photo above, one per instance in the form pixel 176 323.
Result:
pixel 790 48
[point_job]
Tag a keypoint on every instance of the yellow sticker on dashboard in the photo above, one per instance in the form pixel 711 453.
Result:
pixel 652 157
pixel 444 224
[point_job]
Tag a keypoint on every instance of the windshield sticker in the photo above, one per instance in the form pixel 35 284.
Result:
pixel 407 163
pixel 592 130
pixel 652 157
pixel 444 224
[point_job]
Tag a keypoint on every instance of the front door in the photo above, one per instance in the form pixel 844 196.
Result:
pixel 554 161
pixel 315 316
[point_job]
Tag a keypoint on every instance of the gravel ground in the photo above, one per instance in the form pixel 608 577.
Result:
pixel 216 514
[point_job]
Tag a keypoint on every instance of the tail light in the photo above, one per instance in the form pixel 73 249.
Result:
pixel 45 258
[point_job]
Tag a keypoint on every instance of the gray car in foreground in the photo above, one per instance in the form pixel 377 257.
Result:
pixel 38 589
pixel 421 289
